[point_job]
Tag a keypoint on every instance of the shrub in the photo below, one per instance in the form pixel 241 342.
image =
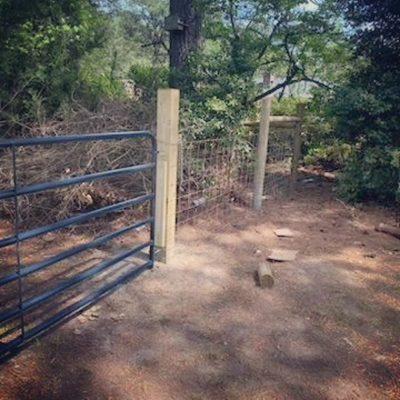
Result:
pixel 149 78
pixel 286 106
pixel 99 88
pixel 372 174
pixel 329 156
pixel 41 44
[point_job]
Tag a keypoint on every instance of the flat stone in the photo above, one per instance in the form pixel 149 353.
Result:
pixel 284 232
pixel 282 255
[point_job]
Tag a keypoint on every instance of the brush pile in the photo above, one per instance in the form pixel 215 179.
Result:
pixel 54 162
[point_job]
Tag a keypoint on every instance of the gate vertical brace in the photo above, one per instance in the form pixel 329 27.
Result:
pixel 167 168
pixel 152 203
pixel 262 148
pixel 18 245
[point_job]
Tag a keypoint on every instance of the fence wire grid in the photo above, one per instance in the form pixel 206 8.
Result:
pixel 215 173
pixel 212 174
pixel 278 169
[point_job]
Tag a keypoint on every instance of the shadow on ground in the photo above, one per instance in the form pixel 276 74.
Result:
pixel 199 328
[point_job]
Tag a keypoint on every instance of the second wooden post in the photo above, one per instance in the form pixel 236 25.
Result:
pixel 262 148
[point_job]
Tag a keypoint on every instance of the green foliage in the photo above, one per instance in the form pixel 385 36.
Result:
pixel 376 30
pixel 369 120
pixel 97 88
pixel 41 44
pixel 244 38
pixel 371 174
pixel 287 38
pixel 330 156
pixel 286 106
pixel 366 109
pixel 142 22
pixel 356 129
pixel 214 118
pixel 149 78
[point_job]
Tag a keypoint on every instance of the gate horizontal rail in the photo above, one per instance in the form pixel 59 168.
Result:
pixel 78 219
pixel 26 306
pixel 71 252
pixel 42 187
pixel 89 273
pixel 89 137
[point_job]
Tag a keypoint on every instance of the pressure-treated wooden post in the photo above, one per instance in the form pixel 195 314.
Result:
pixel 262 148
pixel 297 145
pixel 167 163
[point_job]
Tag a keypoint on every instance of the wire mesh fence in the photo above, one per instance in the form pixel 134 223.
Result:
pixel 215 173
pixel 212 174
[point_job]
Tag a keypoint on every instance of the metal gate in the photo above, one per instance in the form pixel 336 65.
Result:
pixel 13 319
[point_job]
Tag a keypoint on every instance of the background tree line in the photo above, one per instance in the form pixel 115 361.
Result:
pixel 59 56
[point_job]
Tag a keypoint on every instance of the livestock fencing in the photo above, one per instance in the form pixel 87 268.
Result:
pixel 214 173
pixel 196 178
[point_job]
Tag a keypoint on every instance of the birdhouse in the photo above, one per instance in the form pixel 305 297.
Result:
pixel 174 23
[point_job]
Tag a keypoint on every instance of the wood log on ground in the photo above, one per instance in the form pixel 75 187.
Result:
pixel 390 230
pixel 265 277
pixel 330 176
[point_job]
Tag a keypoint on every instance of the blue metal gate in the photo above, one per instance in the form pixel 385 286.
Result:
pixel 12 319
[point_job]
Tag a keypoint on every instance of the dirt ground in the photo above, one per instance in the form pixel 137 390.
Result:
pixel 200 327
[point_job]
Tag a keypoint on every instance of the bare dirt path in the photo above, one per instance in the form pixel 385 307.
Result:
pixel 199 328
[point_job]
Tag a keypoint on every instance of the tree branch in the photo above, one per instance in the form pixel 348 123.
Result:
pixel 232 20
pixel 286 82
pixel 269 39
pixel 290 81
pixel 317 82
pixel 252 19
pixel 154 43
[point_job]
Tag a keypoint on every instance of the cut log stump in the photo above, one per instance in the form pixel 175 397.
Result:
pixel 265 276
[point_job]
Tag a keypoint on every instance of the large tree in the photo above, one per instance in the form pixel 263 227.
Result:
pixel 185 35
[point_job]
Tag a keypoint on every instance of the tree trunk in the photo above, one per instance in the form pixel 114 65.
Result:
pixel 183 42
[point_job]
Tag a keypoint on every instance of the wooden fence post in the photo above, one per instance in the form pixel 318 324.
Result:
pixel 297 145
pixel 262 148
pixel 167 164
